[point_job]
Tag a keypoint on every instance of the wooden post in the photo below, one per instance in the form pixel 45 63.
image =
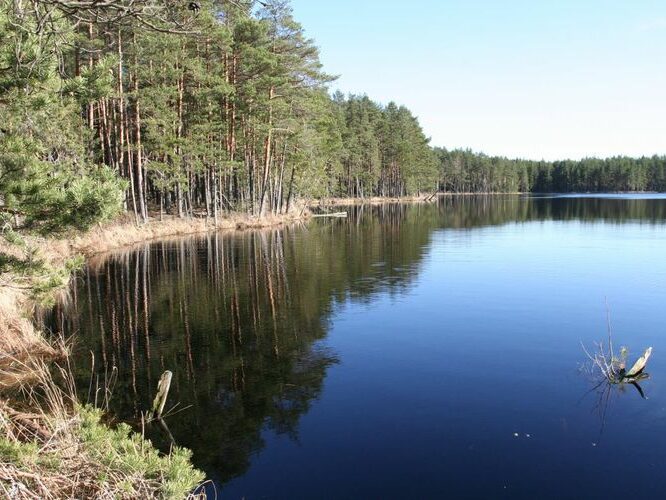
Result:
pixel 162 394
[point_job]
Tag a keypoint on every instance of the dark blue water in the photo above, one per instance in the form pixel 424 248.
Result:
pixel 411 351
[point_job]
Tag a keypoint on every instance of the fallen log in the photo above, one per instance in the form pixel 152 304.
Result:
pixel 337 214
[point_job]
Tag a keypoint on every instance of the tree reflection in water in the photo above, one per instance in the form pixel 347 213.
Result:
pixel 242 319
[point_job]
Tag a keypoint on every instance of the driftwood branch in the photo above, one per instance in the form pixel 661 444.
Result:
pixel 336 214
pixel 613 369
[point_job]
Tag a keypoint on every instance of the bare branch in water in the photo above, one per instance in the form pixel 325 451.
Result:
pixel 612 368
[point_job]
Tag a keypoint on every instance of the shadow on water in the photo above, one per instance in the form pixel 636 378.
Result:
pixel 603 394
pixel 242 320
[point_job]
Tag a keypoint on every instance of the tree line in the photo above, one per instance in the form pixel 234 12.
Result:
pixel 205 108
pixel 464 171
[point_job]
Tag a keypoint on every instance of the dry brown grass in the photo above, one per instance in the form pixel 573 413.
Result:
pixel 125 233
pixel 18 338
pixel 12 325
pixel 29 435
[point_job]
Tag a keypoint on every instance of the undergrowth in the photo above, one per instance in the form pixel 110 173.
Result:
pixel 56 448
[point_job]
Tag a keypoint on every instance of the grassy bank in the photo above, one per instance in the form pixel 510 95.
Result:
pixel 50 446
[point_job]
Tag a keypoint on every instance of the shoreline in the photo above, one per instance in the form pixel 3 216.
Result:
pixel 69 434
pixel 373 200
pixel 17 307
pixel 26 351
pixel 18 333
pixel 38 272
pixel 120 234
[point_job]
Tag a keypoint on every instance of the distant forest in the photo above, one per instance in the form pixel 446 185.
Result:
pixel 464 171
pixel 214 107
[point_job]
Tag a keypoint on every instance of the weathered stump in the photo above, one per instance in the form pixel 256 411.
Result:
pixel 162 394
pixel 639 365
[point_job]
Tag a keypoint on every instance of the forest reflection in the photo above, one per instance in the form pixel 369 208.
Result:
pixel 478 211
pixel 241 319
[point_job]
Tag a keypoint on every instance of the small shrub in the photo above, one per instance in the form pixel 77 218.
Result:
pixel 123 453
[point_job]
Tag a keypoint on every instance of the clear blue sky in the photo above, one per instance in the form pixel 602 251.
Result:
pixel 530 78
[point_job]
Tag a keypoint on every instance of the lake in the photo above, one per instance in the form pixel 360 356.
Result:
pixel 409 351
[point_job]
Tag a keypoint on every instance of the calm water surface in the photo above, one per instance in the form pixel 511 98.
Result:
pixel 410 351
